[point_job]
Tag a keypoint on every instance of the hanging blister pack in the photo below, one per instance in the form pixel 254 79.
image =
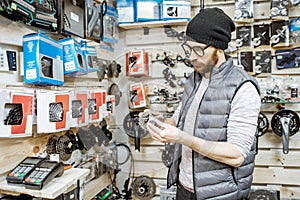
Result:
pixel 261 35
pixel 45 15
pixel 295 30
pixel 71 17
pixel 109 24
pixel 243 36
pixel 263 62
pixel 280 33
pixel 92 20
pixel 39 13
pixel 286 58
pixel 243 11
pixel 279 9
pixel 246 60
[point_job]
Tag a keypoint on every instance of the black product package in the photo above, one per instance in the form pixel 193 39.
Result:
pixel 279 9
pixel 71 17
pixel 46 14
pixel 243 36
pixel 261 35
pixel 39 13
pixel 92 20
pixel 243 11
pixel 263 62
pixel 280 33
pixel 246 60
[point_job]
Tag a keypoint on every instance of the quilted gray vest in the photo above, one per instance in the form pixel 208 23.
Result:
pixel 212 179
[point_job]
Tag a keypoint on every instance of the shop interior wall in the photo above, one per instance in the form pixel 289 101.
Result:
pixel 274 170
pixel 14 150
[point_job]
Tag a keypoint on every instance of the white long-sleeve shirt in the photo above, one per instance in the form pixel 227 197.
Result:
pixel 242 124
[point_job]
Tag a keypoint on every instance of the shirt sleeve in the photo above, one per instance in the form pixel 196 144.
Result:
pixel 242 122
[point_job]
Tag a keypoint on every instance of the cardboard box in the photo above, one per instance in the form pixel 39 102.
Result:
pixel 147 10
pixel 175 10
pixel 111 105
pixel 96 100
pixel 110 32
pixel 90 57
pixel 79 108
pixel 126 9
pixel 16 108
pixel 285 58
pixel 43 64
pixel 137 63
pixel 73 58
pixel 137 95
pixel 53 111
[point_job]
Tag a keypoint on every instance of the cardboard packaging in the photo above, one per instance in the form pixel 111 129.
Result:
pixel 111 105
pixel 74 63
pixel 43 64
pixel 175 10
pixel 137 63
pixel 137 95
pixel 53 111
pixel 79 108
pixel 89 57
pixel 126 10
pixel 96 104
pixel 17 113
pixel 147 10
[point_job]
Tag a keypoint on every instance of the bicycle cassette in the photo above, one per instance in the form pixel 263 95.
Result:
pixel 143 187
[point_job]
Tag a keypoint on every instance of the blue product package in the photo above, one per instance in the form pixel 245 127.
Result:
pixel 295 30
pixel 90 56
pixel 74 64
pixel 43 64
pixel 126 10
pixel 110 32
pixel 147 10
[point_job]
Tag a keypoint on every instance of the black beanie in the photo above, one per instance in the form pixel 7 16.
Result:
pixel 211 26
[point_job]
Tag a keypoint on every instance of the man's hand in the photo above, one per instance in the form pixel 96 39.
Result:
pixel 164 132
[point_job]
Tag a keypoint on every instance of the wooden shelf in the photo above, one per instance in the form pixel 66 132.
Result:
pixel 154 24
pixel 51 190
pixel 93 187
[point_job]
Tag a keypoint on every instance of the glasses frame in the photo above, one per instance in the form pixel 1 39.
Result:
pixel 188 52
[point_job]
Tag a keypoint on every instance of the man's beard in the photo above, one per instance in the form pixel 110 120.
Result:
pixel 203 69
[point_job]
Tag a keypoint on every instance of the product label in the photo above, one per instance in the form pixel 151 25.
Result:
pixel 31 74
pixel 294 93
pixel 70 66
pixel 74 17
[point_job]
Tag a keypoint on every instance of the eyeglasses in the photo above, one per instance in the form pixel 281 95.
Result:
pixel 199 51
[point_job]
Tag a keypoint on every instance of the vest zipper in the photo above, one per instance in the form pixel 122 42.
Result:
pixel 233 176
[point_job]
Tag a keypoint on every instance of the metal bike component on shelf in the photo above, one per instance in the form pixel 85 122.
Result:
pixel 66 144
pixel 263 124
pixel 86 137
pixel 115 90
pixel 143 187
pixel 285 123
pixel 133 129
pixel 51 145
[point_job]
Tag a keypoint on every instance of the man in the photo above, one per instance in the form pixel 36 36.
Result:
pixel 217 119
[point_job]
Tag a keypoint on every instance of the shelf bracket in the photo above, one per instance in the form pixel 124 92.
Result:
pixel 146 30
